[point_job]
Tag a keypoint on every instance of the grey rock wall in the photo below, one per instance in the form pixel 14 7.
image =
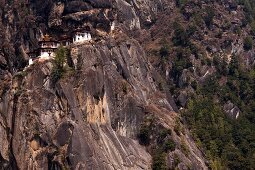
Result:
pixel 91 117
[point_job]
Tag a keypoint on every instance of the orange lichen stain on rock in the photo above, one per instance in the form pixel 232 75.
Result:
pixel 98 112
pixel 34 145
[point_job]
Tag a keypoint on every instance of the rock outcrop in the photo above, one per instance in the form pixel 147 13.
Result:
pixel 91 117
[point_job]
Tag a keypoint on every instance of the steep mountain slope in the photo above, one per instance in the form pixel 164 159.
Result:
pixel 168 88
pixel 91 117
pixel 204 51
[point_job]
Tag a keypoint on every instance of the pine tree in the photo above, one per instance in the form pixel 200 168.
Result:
pixel 234 66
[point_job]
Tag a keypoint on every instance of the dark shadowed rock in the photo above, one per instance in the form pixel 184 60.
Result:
pixel 64 133
pixel 100 3
pixel 76 6
pixel 182 98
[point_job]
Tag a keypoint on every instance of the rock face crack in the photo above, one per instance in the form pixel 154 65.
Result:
pixel 14 112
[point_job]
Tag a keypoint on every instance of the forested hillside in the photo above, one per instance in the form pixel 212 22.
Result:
pixel 207 56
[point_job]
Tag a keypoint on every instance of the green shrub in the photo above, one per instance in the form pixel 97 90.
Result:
pixel 248 43
pixel 176 160
pixel 144 135
pixel 60 58
pixel 234 66
pixel 180 3
pixel 169 145
pixel 208 19
pixel 253 28
pixel 184 147
pixel 191 30
pixel 198 20
pixel 180 62
pixel 194 85
pixel 159 161
pixel 164 51
pixel 56 75
pixel 247 6
pixel 58 64
pixel 177 127
pixel 165 132
pixel 180 37
pixel 162 135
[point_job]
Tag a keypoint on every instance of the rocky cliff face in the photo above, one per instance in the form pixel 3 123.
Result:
pixel 91 117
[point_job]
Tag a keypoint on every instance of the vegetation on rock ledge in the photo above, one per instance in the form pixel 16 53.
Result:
pixel 58 64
